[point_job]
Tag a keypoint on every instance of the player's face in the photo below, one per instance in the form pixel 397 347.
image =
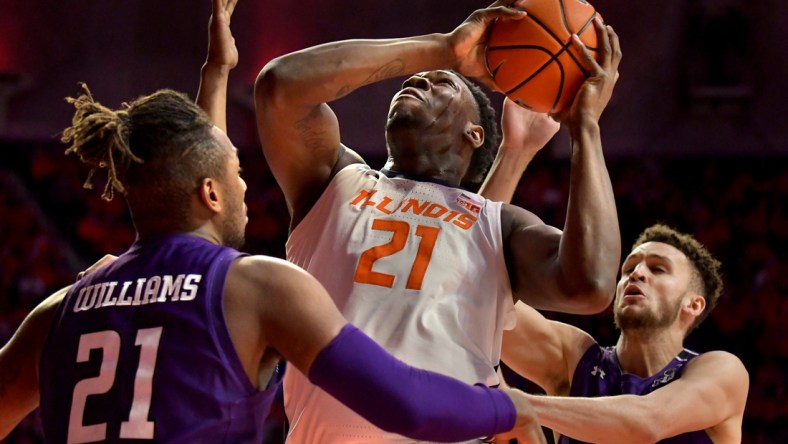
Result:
pixel 655 277
pixel 234 219
pixel 435 102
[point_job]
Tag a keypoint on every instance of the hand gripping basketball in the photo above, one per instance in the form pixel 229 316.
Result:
pixel 533 60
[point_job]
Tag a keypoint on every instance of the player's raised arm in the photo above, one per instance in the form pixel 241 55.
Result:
pixel 222 57
pixel 300 133
pixel 524 133
pixel 574 270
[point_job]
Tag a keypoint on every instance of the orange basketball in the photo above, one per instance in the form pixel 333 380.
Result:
pixel 532 60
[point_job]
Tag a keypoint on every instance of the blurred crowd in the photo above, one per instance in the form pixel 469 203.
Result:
pixel 52 228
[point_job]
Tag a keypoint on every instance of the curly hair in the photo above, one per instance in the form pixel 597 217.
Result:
pixel 483 156
pixel 706 273
pixel 156 150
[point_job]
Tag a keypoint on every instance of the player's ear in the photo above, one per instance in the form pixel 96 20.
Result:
pixel 695 304
pixel 474 134
pixel 210 195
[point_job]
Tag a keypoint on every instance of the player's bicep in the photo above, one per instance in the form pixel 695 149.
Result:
pixel 543 351
pixel 301 142
pixel 712 389
pixel 298 318
pixel 531 249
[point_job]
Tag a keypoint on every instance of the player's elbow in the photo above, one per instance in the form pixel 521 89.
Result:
pixel 270 87
pixel 279 84
pixel 593 296
pixel 600 295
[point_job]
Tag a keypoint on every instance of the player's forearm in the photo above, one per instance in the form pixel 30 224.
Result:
pixel 327 72
pixel 621 419
pixel 212 93
pixel 590 245
pixel 405 400
pixel 507 169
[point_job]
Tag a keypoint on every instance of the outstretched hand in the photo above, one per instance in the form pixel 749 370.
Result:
pixel 526 130
pixel 594 94
pixel 222 57
pixel 221 43
pixel 468 41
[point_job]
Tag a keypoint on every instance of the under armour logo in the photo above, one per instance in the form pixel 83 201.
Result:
pixel 665 378
pixel 598 371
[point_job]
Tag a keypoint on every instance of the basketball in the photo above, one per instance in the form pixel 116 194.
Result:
pixel 533 61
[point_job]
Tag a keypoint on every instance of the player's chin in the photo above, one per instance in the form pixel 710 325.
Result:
pixel 628 311
pixel 402 116
pixel 403 105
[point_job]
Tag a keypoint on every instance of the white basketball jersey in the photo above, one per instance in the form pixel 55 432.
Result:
pixel 418 267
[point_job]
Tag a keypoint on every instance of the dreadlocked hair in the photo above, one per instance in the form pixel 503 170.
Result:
pixel 98 135
pixel 157 149
pixel 707 268
pixel 483 156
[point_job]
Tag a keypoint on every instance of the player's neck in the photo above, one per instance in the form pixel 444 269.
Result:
pixel 207 232
pixel 429 154
pixel 423 172
pixel 644 353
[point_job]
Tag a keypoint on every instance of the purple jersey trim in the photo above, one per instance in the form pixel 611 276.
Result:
pixel 599 374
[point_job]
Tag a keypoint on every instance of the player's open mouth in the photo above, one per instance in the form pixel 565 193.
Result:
pixel 410 92
pixel 632 292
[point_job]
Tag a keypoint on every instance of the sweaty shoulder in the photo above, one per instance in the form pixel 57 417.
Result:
pixel 722 374
pixel 716 384
pixel 271 286
pixel 723 364
pixel 251 275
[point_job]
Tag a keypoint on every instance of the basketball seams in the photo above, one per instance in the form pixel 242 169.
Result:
pixel 560 87
pixel 563 45
pixel 572 55
pixel 562 10
pixel 558 63
pixel 569 28
pixel 553 58
pixel 494 72
pixel 584 27
pixel 545 28
pixel 541 46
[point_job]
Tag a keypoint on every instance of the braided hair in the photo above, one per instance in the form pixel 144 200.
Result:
pixel 99 135
pixel 156 150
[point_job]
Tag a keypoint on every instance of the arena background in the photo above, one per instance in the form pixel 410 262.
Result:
pixel 695 137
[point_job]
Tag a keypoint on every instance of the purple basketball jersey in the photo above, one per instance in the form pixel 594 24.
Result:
pixel 599 374
pixel 139 350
